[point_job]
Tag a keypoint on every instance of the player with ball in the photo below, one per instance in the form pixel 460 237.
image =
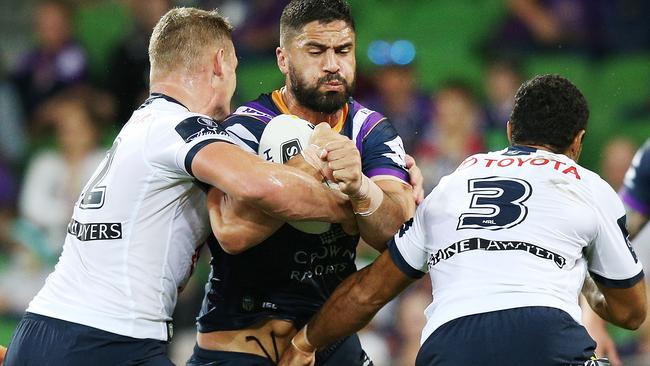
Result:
pixel 269 277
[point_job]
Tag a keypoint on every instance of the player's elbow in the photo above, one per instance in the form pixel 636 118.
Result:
pixel 633 318
pixel 232 244
pixel 231 241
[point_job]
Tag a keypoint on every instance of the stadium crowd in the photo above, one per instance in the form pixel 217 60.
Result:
pixel 67 90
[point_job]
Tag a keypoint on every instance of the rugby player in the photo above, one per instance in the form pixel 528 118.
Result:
pixel 138 224
pixel 507 240
pixel 268 278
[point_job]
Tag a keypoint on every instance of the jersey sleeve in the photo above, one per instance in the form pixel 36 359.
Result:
pixel 174 148
pixel 245 130
pixel 383 152
pixel 636 188
pixel 612 260
pixel 408 247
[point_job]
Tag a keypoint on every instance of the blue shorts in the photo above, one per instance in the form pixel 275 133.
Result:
pixel 347 352
pixel 40 340
pixel 531 336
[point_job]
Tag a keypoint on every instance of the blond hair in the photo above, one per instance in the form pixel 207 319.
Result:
pixel 181 36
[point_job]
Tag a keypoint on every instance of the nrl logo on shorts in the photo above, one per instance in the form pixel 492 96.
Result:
pixel 290 149
pixel 247 303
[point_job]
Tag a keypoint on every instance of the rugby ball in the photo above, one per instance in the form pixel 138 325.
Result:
pixel 284 137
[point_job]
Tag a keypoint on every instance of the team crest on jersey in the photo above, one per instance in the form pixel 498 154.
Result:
pixel 195 127
pixel 290 149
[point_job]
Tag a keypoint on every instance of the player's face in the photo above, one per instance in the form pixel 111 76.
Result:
pixel 320 64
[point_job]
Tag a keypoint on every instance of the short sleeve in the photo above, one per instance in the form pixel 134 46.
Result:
pixel 174 148
pixel 636 188
pixel 612 260
pixel 245 130
pixel 383 152
pixel 407 248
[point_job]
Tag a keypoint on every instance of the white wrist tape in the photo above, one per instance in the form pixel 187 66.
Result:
pixel 306 342
pixel 368 199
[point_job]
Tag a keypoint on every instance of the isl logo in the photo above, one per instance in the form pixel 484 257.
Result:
pixel 290 149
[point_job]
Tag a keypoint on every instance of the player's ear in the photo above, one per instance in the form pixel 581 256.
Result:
pixel 509 132
pixel 282 60
pixel 217 59
pixel 576 144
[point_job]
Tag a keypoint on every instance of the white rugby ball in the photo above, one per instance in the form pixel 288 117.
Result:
pixel 284 137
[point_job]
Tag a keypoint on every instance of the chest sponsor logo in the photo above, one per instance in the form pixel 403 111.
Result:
pixel 494 246
pixel 95 230
pixel 331 259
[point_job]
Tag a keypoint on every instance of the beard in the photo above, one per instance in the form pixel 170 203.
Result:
pixel 324 102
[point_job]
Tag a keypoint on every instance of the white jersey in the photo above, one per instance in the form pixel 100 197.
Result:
pixel 514 228
pixel 136 227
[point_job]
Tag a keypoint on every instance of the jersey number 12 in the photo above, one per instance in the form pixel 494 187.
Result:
pixel 93 196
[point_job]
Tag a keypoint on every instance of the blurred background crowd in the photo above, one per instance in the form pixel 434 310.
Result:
pixel 445 72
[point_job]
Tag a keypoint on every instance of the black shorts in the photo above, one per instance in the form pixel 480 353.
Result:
pixel 347 352
pixel 531 336
pixel 40 340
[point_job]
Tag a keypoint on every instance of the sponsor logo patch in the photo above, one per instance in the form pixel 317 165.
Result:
pixel 195 127
pixel 290 149
pixel 95 230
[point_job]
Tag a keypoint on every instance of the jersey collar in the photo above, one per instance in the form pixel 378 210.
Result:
pixel 153 96
pixel 279 102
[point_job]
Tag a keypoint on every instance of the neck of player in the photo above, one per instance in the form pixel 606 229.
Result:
pixel 307 114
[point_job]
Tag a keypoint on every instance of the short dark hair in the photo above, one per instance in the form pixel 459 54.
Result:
pixel 300 12
pixel 550 111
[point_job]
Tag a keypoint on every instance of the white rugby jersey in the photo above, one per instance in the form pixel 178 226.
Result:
pixel 136 227
pixel 513 228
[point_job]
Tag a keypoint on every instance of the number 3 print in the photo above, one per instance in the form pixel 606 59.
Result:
pixel 497 203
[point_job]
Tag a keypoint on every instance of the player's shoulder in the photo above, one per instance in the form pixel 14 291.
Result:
pixel 260 110
pixel 193 125
pixel 365 120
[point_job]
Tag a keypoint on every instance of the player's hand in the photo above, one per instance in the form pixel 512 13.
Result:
pixel 299 162
pixel 605 346
pixel 323 134
pixel 344 160
pixel 299 352
pixel 293 357
pixel 417 181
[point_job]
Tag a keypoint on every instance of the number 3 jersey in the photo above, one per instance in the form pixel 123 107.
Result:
pixel 291 274
pixel 515 228
pixel 136 227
